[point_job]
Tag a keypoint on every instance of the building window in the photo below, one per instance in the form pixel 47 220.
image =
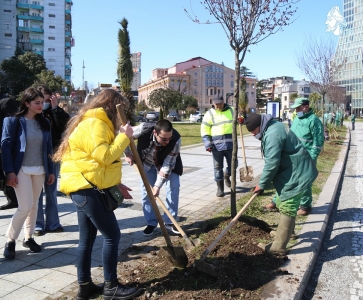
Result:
pixel 8 34
pixel 51 60
pixel 36 3
pixel 51 38
pixel 51 49
pixel 51 16
pixel 51 26
pixel 7 10
pixel 232 83
pixel 7 47
pixel 195 82
pixel 51 4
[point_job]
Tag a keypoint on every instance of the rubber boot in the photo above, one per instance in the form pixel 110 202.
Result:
pixel 283 233
pixel 227 180
pixel 116 291
pixel 86 290
pixel 220 191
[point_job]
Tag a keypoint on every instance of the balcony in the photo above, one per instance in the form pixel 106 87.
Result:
pixel 68 67
pixel 36 41
pixel 68 56
pixel 33 29
pixel 68 33
pixel 23 28
pixel 68 22
pixel 23 5
pixel 67 44
pixel 69 1
pixel 34 18
pixel 38 52
pixel 68 11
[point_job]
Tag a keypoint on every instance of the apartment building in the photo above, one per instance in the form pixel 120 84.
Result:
pixel 197 77
pixel 43 27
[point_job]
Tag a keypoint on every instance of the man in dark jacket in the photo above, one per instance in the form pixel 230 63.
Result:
pixel 159 149
pixel 8 107
pixel 58 119
pixel 289 166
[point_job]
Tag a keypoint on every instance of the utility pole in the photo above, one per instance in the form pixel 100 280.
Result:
pixel 83 87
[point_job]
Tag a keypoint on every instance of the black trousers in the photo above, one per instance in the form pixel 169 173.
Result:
pixel 9 191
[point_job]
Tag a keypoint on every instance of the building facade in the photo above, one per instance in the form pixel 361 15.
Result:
pixel 350 49
pixel 43 27
pixel 136 67
pixel 199 78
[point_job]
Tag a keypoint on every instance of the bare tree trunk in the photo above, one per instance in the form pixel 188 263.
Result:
pixel 234 135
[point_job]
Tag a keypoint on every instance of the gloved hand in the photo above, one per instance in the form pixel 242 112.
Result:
pixel 241 120
pixel 208 149
pixel 258 190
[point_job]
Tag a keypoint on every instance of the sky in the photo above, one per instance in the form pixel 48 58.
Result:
pixel 163 33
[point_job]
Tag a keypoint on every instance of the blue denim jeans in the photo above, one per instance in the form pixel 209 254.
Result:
pixel 218 157
pixel 172 186
pixel 92 216
pixel 51 205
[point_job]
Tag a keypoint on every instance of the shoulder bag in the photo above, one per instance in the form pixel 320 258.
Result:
pixel 112 196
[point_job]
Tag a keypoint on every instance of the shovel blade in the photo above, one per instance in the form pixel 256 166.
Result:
pixel 246 175
pixel 206 268
pixel 177 256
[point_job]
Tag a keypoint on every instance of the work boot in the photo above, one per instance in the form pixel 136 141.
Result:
pixel 304 211
pixel 9 250
pixel 86 290
pixel 283 233
pixel 227 180
pixel 116 291
pixel 220 191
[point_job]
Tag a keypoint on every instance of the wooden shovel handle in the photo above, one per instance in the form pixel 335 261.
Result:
pixel 140 167
pixel 222 234
pixel 243 147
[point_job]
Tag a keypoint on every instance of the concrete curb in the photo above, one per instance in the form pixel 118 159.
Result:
pixel 303 255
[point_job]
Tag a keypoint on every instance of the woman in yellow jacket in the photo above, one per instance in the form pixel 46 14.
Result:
pixel 90 153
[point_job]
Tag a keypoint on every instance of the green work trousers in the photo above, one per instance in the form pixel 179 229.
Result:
pixel 290 206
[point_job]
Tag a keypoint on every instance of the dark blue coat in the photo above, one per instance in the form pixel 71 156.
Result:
pixel 13 145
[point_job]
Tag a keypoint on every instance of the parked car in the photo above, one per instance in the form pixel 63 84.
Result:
pixel 173 117
pixel 152 116
pixel 196 117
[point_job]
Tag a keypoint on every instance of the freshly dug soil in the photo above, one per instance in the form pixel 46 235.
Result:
pixel 241 266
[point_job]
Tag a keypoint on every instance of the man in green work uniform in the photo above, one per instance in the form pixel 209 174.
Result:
pixel 310 131
pixel 289 166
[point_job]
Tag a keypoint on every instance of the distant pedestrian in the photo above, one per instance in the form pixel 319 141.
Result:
pixel 288 117
pixel 26 147
pixel 90 152
pixel 216 131
pixel 352 119
pixel 58 119
pixel 289 166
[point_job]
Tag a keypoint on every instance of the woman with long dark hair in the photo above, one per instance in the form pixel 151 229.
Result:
pixel 26 147
pixel 90 153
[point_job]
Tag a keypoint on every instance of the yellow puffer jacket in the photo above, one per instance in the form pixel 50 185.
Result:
pixel 94 151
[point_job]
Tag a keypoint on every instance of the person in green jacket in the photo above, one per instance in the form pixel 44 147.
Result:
pixel 289 166
pixel 352 119
pixel 310 131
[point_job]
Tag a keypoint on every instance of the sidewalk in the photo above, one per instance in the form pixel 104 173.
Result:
pixel 49 274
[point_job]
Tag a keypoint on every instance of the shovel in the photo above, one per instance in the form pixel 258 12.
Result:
pixel 177 255
pixel 246 173
pixel 208 268
pixel 190 243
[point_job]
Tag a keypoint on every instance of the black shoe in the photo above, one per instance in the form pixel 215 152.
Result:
pixel 149 230
pixel 220 191
pixel 172 228
pixel 32 245
pixel 86 290
pixel 116 291
pixel 58 229
pixel 38 232
pixel 9 205
pixel 9 250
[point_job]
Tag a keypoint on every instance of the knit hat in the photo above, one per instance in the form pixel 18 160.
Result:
pixel 217 99
pixel 253 121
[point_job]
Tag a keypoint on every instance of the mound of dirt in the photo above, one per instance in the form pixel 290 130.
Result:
pixel 242 268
